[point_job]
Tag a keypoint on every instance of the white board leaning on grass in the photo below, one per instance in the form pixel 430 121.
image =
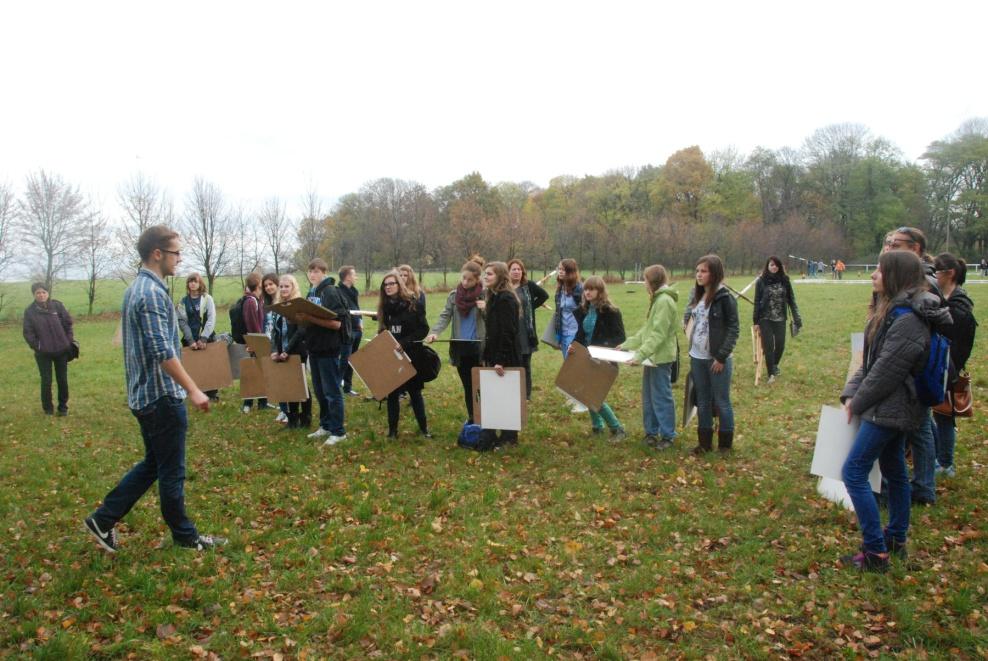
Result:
pixel 834 438
pixel 500 406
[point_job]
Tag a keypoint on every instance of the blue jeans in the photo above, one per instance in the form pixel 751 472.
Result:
pixel 326 384
pixel 345 353
pixel 564 342
pixel 658 406
pixel 924 451
pixel 710 389
pixel 888 446
pixel 946 438
pixel 163 425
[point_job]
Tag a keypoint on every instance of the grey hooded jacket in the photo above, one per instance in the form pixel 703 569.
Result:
pixel 882 391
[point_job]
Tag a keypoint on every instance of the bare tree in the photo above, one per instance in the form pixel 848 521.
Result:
pixel 144 205
pixel 7 215
pixel 246 244
pixel 49 215
pixel 207 229
pixel 96 251
pixel 277 228
pixel 312 229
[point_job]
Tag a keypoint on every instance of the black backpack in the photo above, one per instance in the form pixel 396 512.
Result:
pixel 238 327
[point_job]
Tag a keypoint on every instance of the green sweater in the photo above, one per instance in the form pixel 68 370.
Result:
pixel 656 340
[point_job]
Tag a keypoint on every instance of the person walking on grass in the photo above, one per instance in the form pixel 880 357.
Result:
pixel 712 320
pixel 951 273
pixel 531 296
pixel 502 314
pixel 48 331
pixel 599 323
pixel 463 311
pixel 656 342
pixel 399 311
pixel 774 297
pixel 157 384
pixel 883 394
pixel 325 339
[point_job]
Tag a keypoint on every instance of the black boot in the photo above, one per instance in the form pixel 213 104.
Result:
pixel 725 440
pixel 293 420
pixel 704 441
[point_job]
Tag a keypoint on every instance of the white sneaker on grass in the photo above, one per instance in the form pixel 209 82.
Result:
pixel 319 433
pixel 333 439
pixel 579 408
pixel 245 409
pixel 281 417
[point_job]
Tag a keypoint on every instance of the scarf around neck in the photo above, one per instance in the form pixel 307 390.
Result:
pixel 466 299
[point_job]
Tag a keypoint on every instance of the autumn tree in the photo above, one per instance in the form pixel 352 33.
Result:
pixel 683 182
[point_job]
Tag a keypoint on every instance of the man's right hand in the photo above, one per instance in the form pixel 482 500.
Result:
pixel 199 400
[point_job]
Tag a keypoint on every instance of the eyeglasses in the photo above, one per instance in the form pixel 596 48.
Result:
pixel 177 253
pixel 390 283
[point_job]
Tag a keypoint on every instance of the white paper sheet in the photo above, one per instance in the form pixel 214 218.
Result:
pixel 500 400
pixel 614 355
pixel 834 490
pixel 834 438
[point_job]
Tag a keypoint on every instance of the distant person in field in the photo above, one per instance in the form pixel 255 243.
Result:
pixel 531 296
pixel 951 273
pixel 656 342
pixel 774 298
pixel 712 322
pixel 411 283
pixel 157 385
pixel 599 323
pixel 197 318
pixel 48 331
pixel 569 296
pixel 882 393
pixel 922 441
pixel 984 266
pixel 839 269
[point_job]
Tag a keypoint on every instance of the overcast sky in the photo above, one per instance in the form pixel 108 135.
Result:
pixel 268 99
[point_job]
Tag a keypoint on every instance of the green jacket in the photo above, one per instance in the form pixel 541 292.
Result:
pixel 656 340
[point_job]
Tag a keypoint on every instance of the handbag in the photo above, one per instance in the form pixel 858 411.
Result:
pixel 73 350
pixel 959 401
pixel 425 361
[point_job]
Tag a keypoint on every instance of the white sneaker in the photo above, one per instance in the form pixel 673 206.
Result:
pixel 281 417
pixel 579 408
pixel 245 409
pixel 333 440
pixel 319 433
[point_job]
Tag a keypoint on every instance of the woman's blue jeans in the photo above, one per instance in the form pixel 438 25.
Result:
pixel 658 406
pixel 713 389
pixel 888 446
pixel 946 438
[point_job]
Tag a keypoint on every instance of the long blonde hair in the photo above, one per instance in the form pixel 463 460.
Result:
pixel 412 283
pixel 295 293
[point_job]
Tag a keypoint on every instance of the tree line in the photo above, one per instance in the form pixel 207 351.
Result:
pixel 834 196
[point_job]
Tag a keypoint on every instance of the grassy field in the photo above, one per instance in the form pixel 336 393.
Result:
pixel 565 546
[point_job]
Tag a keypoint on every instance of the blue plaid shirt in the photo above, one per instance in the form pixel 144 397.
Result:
pixel 150 336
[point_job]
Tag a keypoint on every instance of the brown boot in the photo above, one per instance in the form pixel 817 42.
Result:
pixel 725 441
pixel 705 441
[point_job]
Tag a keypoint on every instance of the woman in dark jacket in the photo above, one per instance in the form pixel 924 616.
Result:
pixel 48 331
pixel 399 312
pixel 288 339
pixel 599 323
pixel 951 273
pixel 774 297
pixel 882 392
pixel 531 296
pixel 712 323
pixel 502 314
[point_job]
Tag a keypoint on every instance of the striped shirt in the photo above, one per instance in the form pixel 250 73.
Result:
pixel 150 336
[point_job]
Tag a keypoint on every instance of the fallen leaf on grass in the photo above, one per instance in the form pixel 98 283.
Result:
pixel 165 631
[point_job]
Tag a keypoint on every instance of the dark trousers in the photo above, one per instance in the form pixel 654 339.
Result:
pixel 526 362
pixel 163 425
pixel 773 343
pixel 60 362
pixel 418 407
pixel 345 354
pixel 299 413
pixel 464 368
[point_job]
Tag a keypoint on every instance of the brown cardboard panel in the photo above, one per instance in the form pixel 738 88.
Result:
pixel 209 367
pixel 258 343
pixel 237 352
pixel 586 379
pixel 381 366
pixel 497 393
pixel 251 379
pixel 284 381
pixel 290 309
pixel 758 351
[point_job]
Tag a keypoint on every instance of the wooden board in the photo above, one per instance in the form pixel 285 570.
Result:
pixel 586 379
pixel 381 366
pixel 290 310
pixel 259 343
pixel 284 381
pixel 251 379
pixel 209 367
pixel 499 402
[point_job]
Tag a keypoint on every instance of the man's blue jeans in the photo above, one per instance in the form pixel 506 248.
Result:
pixel 658 406
pixel 326 384
pixel 163 426
pixel 888 446
pixel 345 353
pixel 924 451
pixel 713 389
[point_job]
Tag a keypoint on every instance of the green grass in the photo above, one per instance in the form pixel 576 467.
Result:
pixel 564 546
